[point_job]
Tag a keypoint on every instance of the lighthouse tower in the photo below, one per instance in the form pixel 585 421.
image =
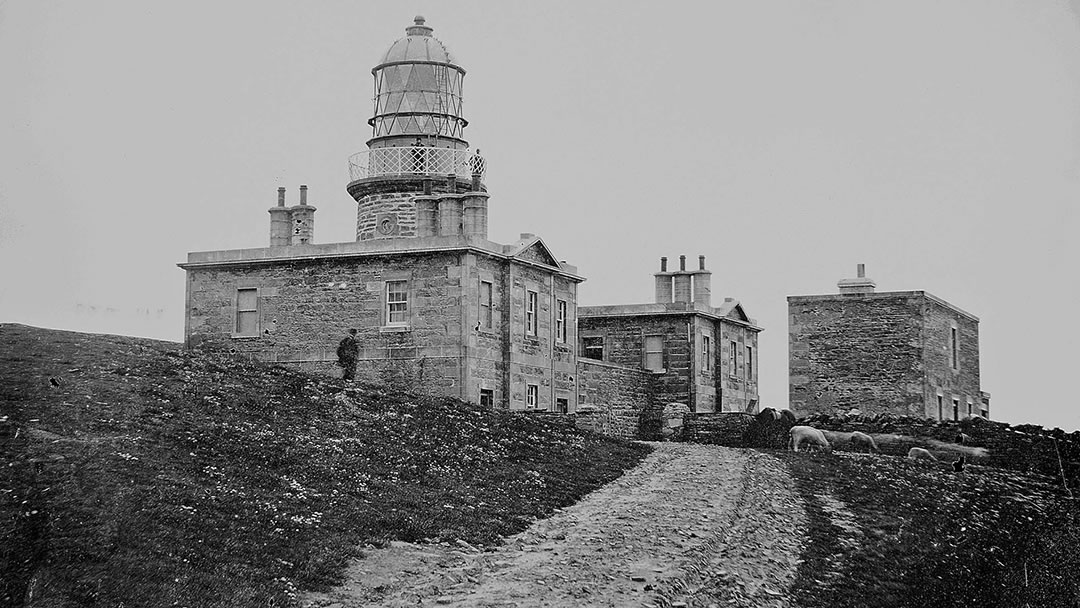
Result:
pixel 417 156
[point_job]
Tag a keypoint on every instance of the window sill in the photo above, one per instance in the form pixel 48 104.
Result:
pixel 245 336
pixel 385 329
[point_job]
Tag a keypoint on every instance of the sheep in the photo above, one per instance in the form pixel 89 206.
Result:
pixel 861 440
pixel 920 454
pixel 809 435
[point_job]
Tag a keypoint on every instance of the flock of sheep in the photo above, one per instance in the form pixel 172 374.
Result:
pixel 815 439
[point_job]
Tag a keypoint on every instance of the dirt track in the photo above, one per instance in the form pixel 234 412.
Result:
pixel 692 525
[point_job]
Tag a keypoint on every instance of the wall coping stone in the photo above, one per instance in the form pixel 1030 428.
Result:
pixel 881 295
pixel 662 309
pixel 367 248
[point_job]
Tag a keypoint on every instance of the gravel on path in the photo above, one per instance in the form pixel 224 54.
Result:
pixel 692 525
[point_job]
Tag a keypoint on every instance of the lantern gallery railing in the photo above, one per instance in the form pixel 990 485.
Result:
pixel 415 160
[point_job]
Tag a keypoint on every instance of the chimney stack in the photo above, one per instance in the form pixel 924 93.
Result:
pixel 450 214
pixel 663 283
pixel 857 286
pixel 690 287
pixel 682 280
pixel 474 208
pixel 280 224
pixel 302 221
pixel 702 284
pixel 427 214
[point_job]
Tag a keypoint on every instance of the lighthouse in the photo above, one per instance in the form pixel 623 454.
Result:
pixel 418 175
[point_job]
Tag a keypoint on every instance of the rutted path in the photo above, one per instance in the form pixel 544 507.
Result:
pixel 691 525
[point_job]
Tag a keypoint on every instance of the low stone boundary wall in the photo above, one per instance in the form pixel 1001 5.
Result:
pixel 717 428
pixel 1024 447
pixel 614 398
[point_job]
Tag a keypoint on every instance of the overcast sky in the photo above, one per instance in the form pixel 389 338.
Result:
pixel 936 142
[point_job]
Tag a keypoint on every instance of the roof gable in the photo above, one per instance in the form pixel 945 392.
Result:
pixel 739 314
pixel 732 309
pixel 534 250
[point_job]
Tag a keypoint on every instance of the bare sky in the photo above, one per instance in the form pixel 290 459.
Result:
pixel 787 141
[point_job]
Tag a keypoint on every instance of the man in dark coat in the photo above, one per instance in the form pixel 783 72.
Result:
pixel 348 351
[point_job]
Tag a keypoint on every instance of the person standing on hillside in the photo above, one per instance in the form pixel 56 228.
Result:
pixel 348 351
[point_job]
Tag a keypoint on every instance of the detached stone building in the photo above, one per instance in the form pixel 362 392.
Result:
pixel 903 352
pixel 437 306
pixel 703 356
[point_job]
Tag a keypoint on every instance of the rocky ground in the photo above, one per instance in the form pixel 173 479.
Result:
pixel 693 525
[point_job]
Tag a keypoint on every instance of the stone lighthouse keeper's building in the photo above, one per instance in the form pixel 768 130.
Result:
pixel 437 305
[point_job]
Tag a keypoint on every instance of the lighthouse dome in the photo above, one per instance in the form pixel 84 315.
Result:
pixel 418 94
pixel 417 45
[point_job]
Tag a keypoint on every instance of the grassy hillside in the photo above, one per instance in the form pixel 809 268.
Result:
pixel 135 473
pixel 886 531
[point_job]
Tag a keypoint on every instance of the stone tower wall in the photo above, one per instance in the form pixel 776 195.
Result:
pixel 848 352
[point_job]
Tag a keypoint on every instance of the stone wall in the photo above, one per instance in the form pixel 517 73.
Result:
pixel 685 377
pixel 394 196
pixel 717 428
pixel 849 352
pixel 959 383
pixel 736 378
pixel 612 398
pixel 540 358
pixel 304 307
pixel 1027 448
pixel 624 344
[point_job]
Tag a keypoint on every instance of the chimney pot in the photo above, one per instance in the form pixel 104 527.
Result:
pixel 682 262
pixel 303 195
pixel 663 264
pixel 281 197
pixel 701 262
pixel 857 286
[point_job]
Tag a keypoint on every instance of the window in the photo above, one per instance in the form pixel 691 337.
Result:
pixel 562 405
pixel 940 408
pixel 749 363
pixel 485 305
pixel 953 349
pixel 487 397
pixel 592 347
pixel 969 408
pixel 532 396
pixel 733 359
pixel 955 409
pixel 530 313
pixel 247 312
pixel 706 352
pixel 397 302
pixel 654 353
pixel 560 320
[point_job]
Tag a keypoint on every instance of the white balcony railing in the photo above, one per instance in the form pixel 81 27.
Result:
pixel 415 160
